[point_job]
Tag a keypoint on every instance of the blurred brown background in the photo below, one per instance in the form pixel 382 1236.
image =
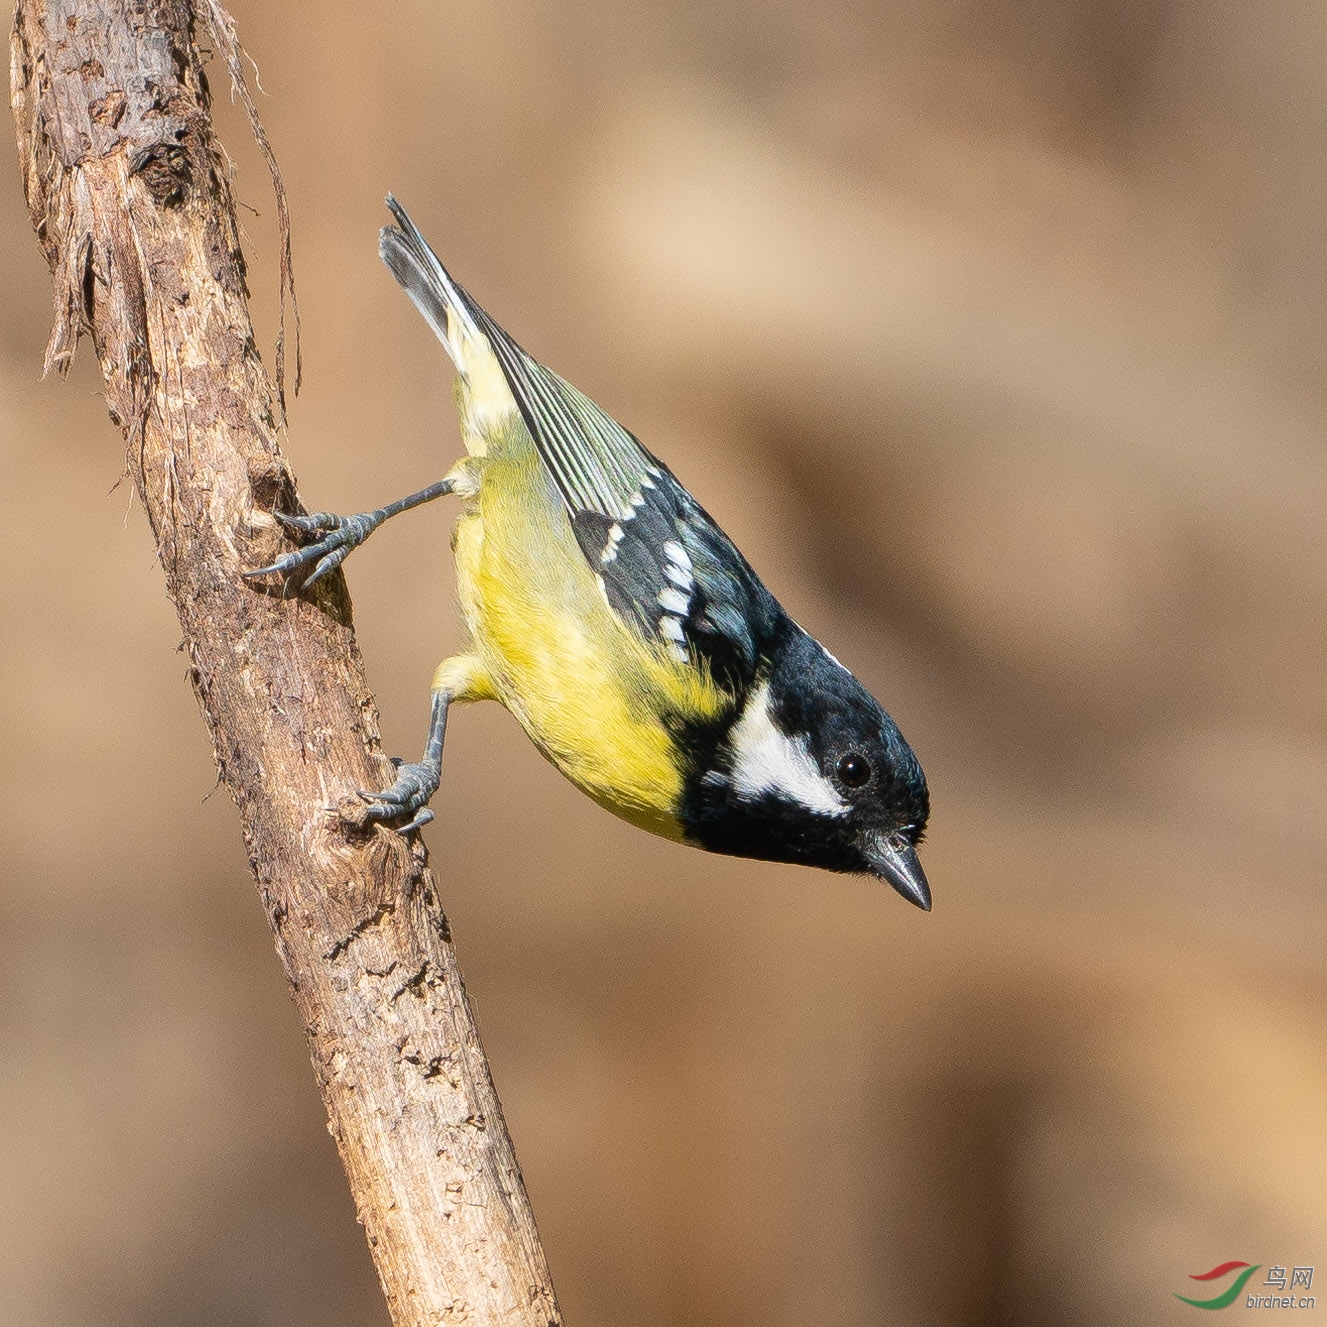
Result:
pixel 994 334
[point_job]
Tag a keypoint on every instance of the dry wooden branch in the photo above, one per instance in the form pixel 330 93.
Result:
pixel 130 198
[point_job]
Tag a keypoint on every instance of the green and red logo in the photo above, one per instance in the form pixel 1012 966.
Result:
pixel 1228 1296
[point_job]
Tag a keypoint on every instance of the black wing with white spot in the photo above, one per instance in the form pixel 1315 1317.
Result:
pixel 666 567
pixel 669 570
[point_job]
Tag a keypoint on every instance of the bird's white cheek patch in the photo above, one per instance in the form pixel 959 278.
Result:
pixel 768 761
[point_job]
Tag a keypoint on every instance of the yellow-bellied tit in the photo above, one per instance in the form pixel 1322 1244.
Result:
pixel 634 644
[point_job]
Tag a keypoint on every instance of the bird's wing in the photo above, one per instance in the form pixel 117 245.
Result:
pixel 669 570
pixel 666 568
pixel 596 464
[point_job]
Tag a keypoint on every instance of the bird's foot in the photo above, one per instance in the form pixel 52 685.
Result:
pixel 407 799
pixel 341 535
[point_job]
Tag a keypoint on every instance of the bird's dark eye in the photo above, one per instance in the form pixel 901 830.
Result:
pixel 854 770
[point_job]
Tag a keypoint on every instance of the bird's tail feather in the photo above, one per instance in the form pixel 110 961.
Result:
pixel 486 401
pixel 430 287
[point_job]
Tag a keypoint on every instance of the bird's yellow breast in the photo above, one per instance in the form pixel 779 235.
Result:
pixel 589 690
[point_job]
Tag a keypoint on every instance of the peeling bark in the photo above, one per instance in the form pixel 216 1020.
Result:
pixel 130 197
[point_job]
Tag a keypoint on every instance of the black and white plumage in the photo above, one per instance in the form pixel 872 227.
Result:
pixel 667 567
pixel 637 647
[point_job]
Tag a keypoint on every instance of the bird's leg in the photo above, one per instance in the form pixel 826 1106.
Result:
pixel 340 534
pixel 417 782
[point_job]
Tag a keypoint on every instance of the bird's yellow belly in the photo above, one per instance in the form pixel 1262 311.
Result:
pixel 576 678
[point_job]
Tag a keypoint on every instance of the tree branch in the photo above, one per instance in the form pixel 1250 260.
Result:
pixel 129 194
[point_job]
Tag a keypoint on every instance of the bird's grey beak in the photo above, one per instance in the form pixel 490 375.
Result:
pixel 895 859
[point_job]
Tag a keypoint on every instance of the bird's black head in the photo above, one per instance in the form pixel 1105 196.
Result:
pixel 812 770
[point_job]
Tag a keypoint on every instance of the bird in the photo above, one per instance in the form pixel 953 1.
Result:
pixel 634 644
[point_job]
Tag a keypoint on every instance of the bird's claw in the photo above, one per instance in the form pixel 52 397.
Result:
pixel 341 535
pixel 407 797
pixel 318 522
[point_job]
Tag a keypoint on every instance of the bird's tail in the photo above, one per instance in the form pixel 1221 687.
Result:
pixel 447 309
pixel 428 283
